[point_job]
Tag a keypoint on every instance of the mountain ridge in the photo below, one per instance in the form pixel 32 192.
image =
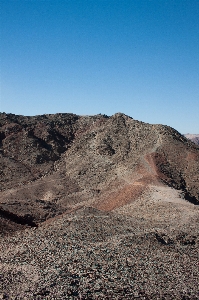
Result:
pixel 65 159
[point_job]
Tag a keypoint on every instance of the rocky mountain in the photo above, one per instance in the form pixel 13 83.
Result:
pixel 193 137
pixel 50 163
pixel 97 207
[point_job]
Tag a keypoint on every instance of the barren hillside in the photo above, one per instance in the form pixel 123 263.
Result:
pixel 50 163
pixel 97 207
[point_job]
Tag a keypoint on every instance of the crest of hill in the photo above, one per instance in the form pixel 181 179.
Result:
pixel 53 163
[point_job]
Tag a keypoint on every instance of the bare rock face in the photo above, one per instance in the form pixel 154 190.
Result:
pixel 193 137
pixel 53 164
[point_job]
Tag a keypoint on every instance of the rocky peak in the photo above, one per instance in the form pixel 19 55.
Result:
pixel 50 163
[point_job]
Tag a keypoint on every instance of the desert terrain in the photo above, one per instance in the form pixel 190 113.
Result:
pixel 97 207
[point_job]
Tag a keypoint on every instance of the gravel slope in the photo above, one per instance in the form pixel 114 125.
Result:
pixel 91 254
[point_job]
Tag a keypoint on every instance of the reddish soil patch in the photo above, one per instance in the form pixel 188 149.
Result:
pixel 117 199
pixel 127 193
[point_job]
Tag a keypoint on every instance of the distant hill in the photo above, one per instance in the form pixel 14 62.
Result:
pixel 193 137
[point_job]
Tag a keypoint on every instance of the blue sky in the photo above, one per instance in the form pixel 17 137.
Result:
pixel 139 57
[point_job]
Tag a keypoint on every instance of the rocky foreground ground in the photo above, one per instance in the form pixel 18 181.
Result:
pixel 145 250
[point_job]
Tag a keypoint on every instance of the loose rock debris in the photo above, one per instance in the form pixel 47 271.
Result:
pixel 100 255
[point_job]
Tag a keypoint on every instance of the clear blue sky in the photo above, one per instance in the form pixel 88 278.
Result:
pixel 139 57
